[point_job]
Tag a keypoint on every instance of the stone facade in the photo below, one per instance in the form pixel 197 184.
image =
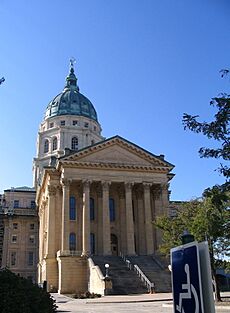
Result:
pixel 19 232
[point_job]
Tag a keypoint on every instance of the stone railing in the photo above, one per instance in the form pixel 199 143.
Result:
pixel 19 211
pixel 68 253
pixel 97 281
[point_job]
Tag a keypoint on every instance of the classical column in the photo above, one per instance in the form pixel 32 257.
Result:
pixel 51 222
pixel 165 198
pixel 85 219
pixel 157 192
pixel 148 219
pixel 140 221
pixel 129 220
pixel 122 220
pixel 106 219
pixel 65 215
pixel 99 237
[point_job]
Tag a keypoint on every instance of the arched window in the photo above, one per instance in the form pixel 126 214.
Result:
pixel 112 209
pixel 54 143
pixel 46 146
pixel 72 242
pixel 74 143
pixel 92 243
pixel 92 210
pixel 72 208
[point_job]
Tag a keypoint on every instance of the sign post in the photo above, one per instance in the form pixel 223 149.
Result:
pixel 191 279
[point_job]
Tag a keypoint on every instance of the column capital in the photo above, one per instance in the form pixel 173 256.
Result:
pixel 157 191
pixel 105 185
pixel 128 186
pixel 65 182
pixel 86 183
pixel 52 190
pixel 164 186
pixel 147 185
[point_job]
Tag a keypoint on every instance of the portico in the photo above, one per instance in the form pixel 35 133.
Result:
pixel 104 207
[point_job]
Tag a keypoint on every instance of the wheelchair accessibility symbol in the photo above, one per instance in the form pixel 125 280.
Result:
pixel 189 293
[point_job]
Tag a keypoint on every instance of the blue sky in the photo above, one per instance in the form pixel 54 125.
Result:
pixel 141 63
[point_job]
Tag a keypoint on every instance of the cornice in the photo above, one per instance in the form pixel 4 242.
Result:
pixel 115 166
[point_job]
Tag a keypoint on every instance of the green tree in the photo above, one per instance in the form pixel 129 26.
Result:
pixel 207 219
pixel 19 295
pixel 218 129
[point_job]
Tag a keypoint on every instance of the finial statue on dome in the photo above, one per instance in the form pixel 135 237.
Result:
pixel 71 64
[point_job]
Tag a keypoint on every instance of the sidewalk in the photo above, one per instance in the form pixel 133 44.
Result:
pixel 126 298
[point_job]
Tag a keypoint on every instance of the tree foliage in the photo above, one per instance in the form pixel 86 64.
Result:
pixel 207 218
pixel 19 295
pixel 218 129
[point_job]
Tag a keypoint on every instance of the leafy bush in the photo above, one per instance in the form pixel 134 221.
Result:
pixel 86 295
pixel 20 295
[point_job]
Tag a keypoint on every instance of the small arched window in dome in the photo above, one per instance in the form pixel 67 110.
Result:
pixel 46 146
pixel 74 143
pixel 54 144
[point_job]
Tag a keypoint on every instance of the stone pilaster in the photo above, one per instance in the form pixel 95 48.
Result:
pixel 148 220
pixel 65 214
pixel 86 220
pixel 51 222
pixel 129 220
pixel 106 219
pixel 122 221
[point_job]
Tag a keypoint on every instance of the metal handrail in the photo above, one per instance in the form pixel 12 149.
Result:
pixel 146 281
pixel 138 271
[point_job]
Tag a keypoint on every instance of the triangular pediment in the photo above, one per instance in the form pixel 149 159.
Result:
pixel 119 152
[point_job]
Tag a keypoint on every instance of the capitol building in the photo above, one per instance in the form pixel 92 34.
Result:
pixel 96 197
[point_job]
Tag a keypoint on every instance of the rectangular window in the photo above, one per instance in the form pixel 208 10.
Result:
pixel 72 208
pixel 51 125
pixel 30 258
pixel 62 123
pixel 15 226
pixel 32 239
pixel 16 204
pixel 13 258
pixel 14 238
pixel 74 123
pixel 32 204
pixel 92 211
pixel 112 209
pixel 32 226
pixel 86 124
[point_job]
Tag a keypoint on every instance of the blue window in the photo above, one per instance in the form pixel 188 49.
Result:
pixel 92 243
pixel 92 210
pixel 16 204
pixel 72 241
pixel 112 209
pixel 46 146
pixel 72 208
pixel 30 258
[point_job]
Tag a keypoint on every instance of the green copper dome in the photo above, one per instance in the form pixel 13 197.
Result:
pixel 71 101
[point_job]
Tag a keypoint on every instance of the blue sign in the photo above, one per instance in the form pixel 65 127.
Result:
pixel 186 279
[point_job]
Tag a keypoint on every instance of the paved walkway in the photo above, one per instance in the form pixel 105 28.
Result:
pixel 159 302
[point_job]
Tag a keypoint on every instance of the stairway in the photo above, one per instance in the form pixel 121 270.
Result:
pixel 154 271
pixel 124 281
